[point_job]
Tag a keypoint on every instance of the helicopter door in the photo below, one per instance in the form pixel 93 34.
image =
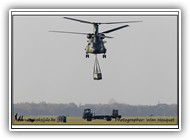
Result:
pixel 97 75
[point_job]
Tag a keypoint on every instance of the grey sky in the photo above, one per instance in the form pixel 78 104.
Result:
pixel 140 68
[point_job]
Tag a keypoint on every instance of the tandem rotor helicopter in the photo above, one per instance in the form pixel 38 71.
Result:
pixel 95 40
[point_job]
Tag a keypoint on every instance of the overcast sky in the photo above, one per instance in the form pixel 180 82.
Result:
pixel 140 68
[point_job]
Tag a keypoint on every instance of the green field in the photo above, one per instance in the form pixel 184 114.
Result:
pixel 52 120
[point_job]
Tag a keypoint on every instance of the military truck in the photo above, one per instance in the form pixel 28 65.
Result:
pixel 88 115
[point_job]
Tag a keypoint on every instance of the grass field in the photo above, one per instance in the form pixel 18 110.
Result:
pixel 52 120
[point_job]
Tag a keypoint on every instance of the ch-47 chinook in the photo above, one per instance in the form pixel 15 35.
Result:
pixel 95 40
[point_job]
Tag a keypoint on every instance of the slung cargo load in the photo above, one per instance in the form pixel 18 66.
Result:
pixel 97 75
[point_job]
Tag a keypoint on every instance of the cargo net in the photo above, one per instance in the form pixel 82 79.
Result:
pixel 97 75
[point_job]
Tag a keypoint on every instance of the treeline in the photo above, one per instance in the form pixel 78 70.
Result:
pixel 71 109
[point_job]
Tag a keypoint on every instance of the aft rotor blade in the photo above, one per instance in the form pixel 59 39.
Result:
pixel 76 33
pixel 112 30
pixel 79 20
pixel 108 37
pixel 105 36
pixel 69 32
pixel 119 22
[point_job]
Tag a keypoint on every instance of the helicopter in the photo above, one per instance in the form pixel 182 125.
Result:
pixel 96 39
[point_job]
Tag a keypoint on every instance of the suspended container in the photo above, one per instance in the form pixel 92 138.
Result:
pixel 97 75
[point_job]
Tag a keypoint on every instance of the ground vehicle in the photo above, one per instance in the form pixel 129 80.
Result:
pixel 88 115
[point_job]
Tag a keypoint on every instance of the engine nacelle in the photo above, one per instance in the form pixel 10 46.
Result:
pixel 102 36
pixel 89 36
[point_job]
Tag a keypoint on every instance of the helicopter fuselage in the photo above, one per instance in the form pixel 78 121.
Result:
pixel 95 46
pixel 95 42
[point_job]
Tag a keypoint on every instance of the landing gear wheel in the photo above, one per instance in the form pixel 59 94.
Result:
pixel 108 118
pixel 104 56
pixel 89 119
pixel 87 56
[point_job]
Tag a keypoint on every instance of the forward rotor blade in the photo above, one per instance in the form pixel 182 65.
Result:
pixel 83 21
pixel 69 32
pixel 119 22
pixel 78 20
pixel 112 30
